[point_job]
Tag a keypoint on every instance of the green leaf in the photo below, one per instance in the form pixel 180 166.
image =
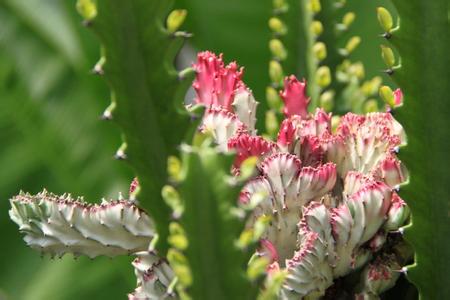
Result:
pixel 139 54
pixel 218 266
pixel 423 40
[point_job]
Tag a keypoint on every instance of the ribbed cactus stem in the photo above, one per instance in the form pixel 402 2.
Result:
pixel 60 224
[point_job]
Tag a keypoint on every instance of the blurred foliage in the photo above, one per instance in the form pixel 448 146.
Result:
pixel 51 136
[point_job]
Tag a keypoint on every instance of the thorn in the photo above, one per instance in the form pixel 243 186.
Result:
pixel 87 23
pixel 107 114
pixel 387 35
pixel 182 34
pixel 120 154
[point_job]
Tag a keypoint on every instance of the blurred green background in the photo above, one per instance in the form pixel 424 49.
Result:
pixel 51 136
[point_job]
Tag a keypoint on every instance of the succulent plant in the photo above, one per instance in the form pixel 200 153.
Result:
pixel 310 210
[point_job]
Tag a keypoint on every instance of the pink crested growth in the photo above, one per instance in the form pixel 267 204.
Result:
pixel 317 124
pixel 246 146
pixel 134 185
pixel 398 97
pixel 215 83
pixel 286 135
pixel 268 250
pixel 294 97
pixel 329 193
pixel 391 171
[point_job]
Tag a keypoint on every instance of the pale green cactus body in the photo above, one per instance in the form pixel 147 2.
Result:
pixel 59 225
pixel 154 277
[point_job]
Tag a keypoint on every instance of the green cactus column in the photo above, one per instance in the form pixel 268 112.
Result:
pixel 147 92
pixel 423 41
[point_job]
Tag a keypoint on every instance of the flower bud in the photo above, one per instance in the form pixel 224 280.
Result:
pixel 370 87
pixel 388 56
pixel 348 19
pixel 315 6
pixel 385 19
pixel 327 101
pixel 277 26
pixel 370 106
pixel 180 266
pixel 280 4
pixel 323 76
pixel 316 28
pixel 87 9
pixel 271 123
pixel 320 51
pixel 275 72
pixel 352 44
pixel 172 199
pixel 277 49
pixel 387 95
pixel 177 237
pixel 175 19
pixel 273 99
pixel 174 168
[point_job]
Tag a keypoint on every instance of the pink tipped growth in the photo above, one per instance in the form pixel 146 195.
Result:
pixel 294 98
pixel 215 83
pixel 398 97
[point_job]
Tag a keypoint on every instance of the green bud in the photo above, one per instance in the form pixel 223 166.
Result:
pixel 316 28
pixel 257 267
pixel 275 72
pixel 314 6
pixel 387 95
pixel 271 123
pixel 320 51
pixel 248 167
pixel 175 19
pixel 177 237
pixel 370 87
pixel 87 9
pixel 352 44
pixel 327 101
pixel 385 19
pixel 277 49
pixel 174 168
pixel 277 26
pixel 335 120
pixel 371 105
pixel 180 266
pixel 323 76
pixel 260 226
pixel 245 238
pixel 348 19
pixel 273 98
pixel 280 5
pixel 388 56
pixel 172 199
pixel 357 70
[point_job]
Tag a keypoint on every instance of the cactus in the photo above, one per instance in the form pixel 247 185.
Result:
pixel 421 37
pixel 313 213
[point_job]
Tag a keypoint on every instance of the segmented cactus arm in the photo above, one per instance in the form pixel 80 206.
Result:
pixel 59 224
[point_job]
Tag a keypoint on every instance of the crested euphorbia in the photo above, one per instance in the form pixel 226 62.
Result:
pixel 330 195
